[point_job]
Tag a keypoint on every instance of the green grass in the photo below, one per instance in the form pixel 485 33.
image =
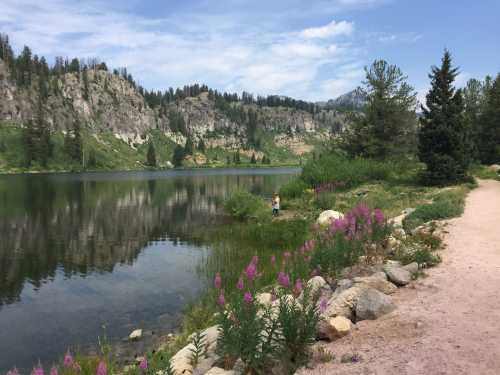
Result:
pixel 445 205
pixel 485 173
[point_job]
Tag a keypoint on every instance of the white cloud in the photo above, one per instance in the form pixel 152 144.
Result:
pixel 226 52
pixel 328 31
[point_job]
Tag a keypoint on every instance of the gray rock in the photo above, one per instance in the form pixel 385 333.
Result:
pixel 372 304
pixel 344 303
pixel 412 267
pixel 342 285
pixel 377 281
pixel 220 371
pixel 398 275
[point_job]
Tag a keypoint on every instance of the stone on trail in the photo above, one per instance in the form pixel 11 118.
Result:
pixel 135 335
pixel 344 303
pixel 377 281
pixel 326 217
pixel 333 328
pixel 372 304
pixel 397 274
pixel 220 371
pixel 412 268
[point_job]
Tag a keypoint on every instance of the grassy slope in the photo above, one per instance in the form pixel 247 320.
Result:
pixel 114 154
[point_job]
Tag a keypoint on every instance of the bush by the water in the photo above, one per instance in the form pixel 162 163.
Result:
pixel 446 205
pixel 243 205
pixel 293 189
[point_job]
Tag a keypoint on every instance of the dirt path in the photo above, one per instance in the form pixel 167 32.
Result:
pixel 447 323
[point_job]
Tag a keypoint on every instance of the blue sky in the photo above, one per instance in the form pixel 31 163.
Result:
pixel 312 50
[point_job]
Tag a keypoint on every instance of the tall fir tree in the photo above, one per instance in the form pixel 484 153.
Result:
pixel 178 156
pixel 253 160
pixel 443 137
pixel 474 106
pixel 29 143
pixel 151 155
pixel 489 133
pixel 387 128
pixel 189 147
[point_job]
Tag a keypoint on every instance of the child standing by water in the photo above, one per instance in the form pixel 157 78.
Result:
pixel 276 204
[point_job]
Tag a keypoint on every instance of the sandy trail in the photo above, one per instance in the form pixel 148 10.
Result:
pixel 448 322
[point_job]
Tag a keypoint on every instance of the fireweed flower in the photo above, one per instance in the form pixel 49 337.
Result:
pixel 283 280
pixel 255 260
pixel 14 371
pixel 53 371
pixel 298 287
pixel 101 368
pixel 251 271
pixel 221 300
pixel 378 215
pixel 68 360
pixel 38 370
pixel 287 254
pixel 240 285
pixel 217 281
pixel 273 260
pixel 248 297
pixel 143 365
pixel 323 305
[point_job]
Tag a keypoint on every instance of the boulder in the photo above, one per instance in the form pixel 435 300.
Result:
pixel 220 371
pixel 412 268
pixel 342 284
pixel 372 304
pixel 334 328
pixel 181 361
pixel 326 217
pixel 377 281
pixel 344 303
pixel 135 335
pixel 317 283
pixel 398 220
pixel 397 274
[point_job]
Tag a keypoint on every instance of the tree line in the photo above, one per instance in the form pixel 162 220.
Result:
pixel 456 127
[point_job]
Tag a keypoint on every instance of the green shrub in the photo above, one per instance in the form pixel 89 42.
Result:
pixel 446 205
pixel 350 173
pixel 293 189
pixel 325 201
pixel 243 205
pixel 414 252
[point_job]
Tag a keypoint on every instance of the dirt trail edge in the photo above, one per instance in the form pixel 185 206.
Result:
pixel 448 322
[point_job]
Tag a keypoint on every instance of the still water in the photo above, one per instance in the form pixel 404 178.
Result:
pixel 79 252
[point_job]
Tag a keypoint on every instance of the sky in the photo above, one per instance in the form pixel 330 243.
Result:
pixel 313 50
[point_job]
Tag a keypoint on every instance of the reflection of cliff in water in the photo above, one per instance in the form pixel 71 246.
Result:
pixel 81 226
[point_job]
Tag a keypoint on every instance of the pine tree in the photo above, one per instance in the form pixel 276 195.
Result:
pixel 443 137
pixel 189 147
pixel 44 145
pixel 201 146
pixel 178 156
pixel 29 143
pixel 85 78
pixel 474 103
pixel 92 162
pixel 236 157
pixel 151 156
pixel 228 160
pixel 387 128
pixel 253 160
pixel 489 133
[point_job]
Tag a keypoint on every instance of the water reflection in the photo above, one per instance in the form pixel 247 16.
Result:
pixel 120 249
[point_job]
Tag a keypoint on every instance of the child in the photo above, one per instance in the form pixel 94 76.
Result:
pixel 276 204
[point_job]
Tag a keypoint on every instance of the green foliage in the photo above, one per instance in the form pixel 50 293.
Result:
pixel 176 122
pixel 293 189
pixel 446 205
pixel 325 200
pixel 151 155
pixel 253 160
pixel 414 251
pixel 351 173
pixel 73 143
pixel 444 144
pixel 201 146
pixel 188 147
pixel 243 205
pixel 178 156
pixel 199 348
pixel 297 323
pixel 387 128
pixel 489 134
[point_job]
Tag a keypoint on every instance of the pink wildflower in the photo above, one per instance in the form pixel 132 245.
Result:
pixel 248 297
pixel 240 285
pixel 38 370
pixel 14 371
pixel 251 271
pixel 283 280
pixel 53 371
pixel 298 287
pixel 143 365
pixel 217 281
pixel 101 368
pixel 221 300
pixel 323 305
pixel 255 260
pixel 379 216
pixel 68 359
pixel 273 260
pixel 287 254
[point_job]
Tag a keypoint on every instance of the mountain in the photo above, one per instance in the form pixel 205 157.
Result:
pixel 353 100
pixel 118 116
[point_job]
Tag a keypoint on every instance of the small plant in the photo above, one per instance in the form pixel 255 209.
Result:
pixel 293 189
pixel 243 205
pixel 324 200
pixel 324 355
pixel 199 350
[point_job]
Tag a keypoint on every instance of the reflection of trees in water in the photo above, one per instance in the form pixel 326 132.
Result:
pixel 80 227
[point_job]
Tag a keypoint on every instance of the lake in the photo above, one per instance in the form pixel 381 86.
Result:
pixel 92 254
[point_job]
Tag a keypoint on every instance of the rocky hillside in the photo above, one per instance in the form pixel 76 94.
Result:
pixel 104 101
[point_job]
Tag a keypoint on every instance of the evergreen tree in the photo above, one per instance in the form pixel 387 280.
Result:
pixel 264 160
pixel 387 128
pixel 201 146
pixel 236 157
pixel 43 143
pixel 92 162
pixel 85 78
pixel 73 143
pixel 443 137
pixel 29 143
pixel 228 160
pixel 253 160
pixel 474 103
pixel 178 156
pixel 189 147
pixel 151 155
pixel 489 134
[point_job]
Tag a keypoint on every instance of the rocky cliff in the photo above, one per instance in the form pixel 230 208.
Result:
pixel 103 101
